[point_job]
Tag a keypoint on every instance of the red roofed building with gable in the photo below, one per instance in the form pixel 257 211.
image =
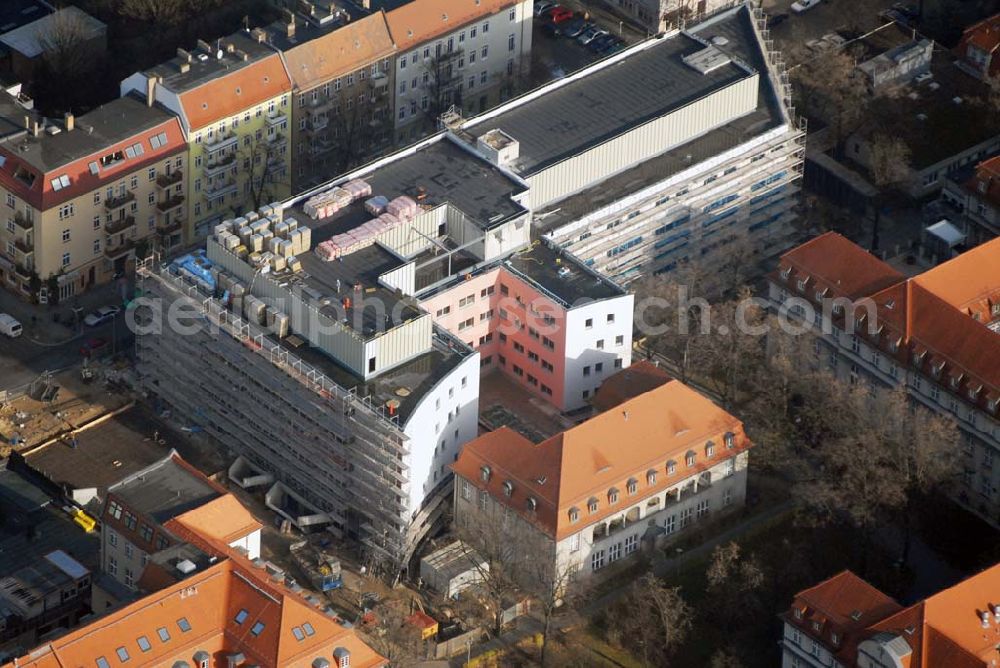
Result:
pixel 935 334
pixel 845 621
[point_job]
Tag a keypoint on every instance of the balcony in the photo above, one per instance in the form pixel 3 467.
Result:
pixel 278 140
pixel 23 252
pixel 168 180
pixel 220 166
pixel 23 271
pixel 167 226
pixel 317 122
pixel 220 143
pixel 23 222
pixel 170 204
pixel 221 190
pixel 118 202
pixel 276 118
pixel 115 252
pixel 120 225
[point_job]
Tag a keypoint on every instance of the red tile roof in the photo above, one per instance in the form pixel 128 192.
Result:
pixel 985 185
pixel 641 377
pixel 417 22
pixel 227 95
pixel 984 35
pixel 565 471
pixel 941 315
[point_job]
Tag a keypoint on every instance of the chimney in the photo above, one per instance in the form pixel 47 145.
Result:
pixel 70 122
pixel 184 55
pixel 290 29
pixel 150 91
pixel 185 68
pixel 205 46
pixel 27 122
pixel 367 4
pixel 36 128
pixel 258 35
pixel 985 617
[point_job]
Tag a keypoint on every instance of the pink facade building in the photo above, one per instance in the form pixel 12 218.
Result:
pixel 542 318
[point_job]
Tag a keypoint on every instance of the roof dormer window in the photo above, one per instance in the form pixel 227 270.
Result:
pixel 690 458
pixel 508 488
pixel 974 392
pixel 592 505
pixel 710 449
pixel 730 440
pixel 484 473
pixel 532 504
pixel 574 515
pixel 802 284
pixel 60 182
pixel 956 381
pixel 671 467
pixel 785 273
pixel 651 477
pixel 632 486
pixel 613 495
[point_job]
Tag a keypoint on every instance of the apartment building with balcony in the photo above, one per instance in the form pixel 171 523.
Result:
pixel 974 195
pixel 846 622
pixel 233 100
pixel 467 54
pixel 81 195
pixel 649 468
pixel 139 507
pixel 342 81
pixel 934 334
pixel 669 151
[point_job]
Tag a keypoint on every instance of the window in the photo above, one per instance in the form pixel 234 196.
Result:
pixel 671 467
pixel 597 560
pixel 112 565
pixel 129 577
pixel 702 508
pixel 631 543
pixel 466 490
pixel 600 344
pixel 690 459
pixel 614 552
pixel 102 662
pixel 308 629
pixel 183 624
pixel 163 634
pixel 466 301
pixel 257 629
pixel 112 538
pixel 147 533
pixel 486 48
pixel 143 643
pixel 510 42
pixel 122 654
pixel 66 260
pixel 66 211
pixel 586 370
pixel 241 616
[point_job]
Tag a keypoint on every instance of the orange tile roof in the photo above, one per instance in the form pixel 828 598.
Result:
pixel 209 601
pixel 566 470
pixel 840 265
pixel 642 376
pixel 844 605
pixel 229 94
pixel 224 519
pixel 984 35
pixel 985 185
pixel 931 314
pixel 423 20
pixel 339 52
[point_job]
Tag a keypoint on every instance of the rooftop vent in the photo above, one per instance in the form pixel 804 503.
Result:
pixel 186 566
pixel 719 40
pixel 707 60
pixel 499 147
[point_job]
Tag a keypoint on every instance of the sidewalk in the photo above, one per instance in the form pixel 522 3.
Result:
pixel 38 319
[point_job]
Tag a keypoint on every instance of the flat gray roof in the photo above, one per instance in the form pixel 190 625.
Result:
pixel 95 131
pixel 165 490
pixel 741 43
pixel 34 526
pixel 608 102
pixel 207 68
pixel 28 39
pixel 104 454
pixel 561 274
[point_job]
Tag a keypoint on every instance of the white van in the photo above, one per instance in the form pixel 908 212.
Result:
pixel 9 326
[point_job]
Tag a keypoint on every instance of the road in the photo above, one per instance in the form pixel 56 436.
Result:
pixel 50 346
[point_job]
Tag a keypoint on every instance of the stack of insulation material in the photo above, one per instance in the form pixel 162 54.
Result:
pixel 327 251
pixel 403 207
pixel 358 189
pixel 376 205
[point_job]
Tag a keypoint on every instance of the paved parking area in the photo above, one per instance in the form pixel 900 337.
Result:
pixel 846 16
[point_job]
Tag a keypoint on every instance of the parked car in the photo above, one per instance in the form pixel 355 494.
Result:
pixel 101 316
pixel 561 15
pixel 590 34
pixel 601 42
pixel 573 27
pixel 94 347
pixel 613 45
pixel 542 7
pixel 804 5
pixel 551 30
pixel 776 20
pixel 9 326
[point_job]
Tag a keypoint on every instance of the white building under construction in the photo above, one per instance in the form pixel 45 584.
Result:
pixel 310 349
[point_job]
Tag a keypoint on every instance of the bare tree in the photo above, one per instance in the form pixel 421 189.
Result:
pixel 828 87
pixel 725 658
pixel 442 83
pixel 734 581
pixel 495 549
pixel 549 584
pixel 158 11
pixel 889 167
pixel 394 637
pixel 652 620
pixel 265 167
